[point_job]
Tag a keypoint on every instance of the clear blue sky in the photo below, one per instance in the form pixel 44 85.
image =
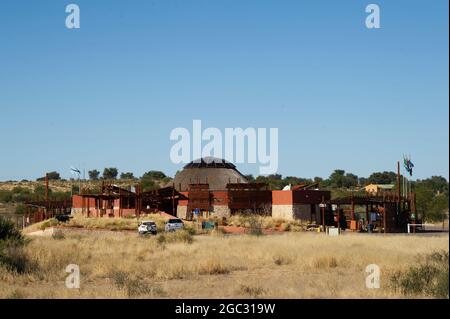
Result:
pixel 109 94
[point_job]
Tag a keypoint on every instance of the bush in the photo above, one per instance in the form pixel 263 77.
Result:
pixel 213 267
pixel 429 278
pixel 6 196
pixel 134 286
pixel 252 291
pixel 58 235
pixel 48 223
pixel 14 258
pixel 8 232
pixel 12 255
pixel 182 235
pixel 255 226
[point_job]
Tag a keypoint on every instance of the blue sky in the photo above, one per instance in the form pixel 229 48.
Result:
pixel 109 93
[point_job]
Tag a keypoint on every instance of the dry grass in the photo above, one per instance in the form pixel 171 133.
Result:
pixel 291 265
pixel 113 224
pixel 265 222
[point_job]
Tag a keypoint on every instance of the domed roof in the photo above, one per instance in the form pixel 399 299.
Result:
pixel 210 162
pixel 208 170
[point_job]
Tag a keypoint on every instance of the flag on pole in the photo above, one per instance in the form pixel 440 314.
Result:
pixel 74 170
pixel 408 164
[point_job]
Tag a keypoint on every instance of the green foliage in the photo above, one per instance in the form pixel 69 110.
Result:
pixel 6 196
pixel 432 198
pixel 153 179
pixel 110 173
pixel 94 175
pixel 155 175
pixel 8 232
pixel 20 209
pixel 39 191
pixel 14 258
pixel 127 175
pixel 60 196
pixel 382 178
pixel 429 278
pixel 20 194
pixel 339 179
pixel 12 255
pixel 436 183
pixel 148 184
pixel 52 176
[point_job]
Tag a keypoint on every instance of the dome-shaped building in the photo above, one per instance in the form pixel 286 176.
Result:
pixel 215 172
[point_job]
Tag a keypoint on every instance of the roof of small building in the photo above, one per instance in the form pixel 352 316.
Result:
pixel 382 186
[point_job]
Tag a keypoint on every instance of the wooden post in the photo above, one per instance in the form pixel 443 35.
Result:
pixel 323 213
pixel 173 200
pixel 338 216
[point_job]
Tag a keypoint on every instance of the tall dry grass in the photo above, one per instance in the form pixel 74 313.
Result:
pixel 292 265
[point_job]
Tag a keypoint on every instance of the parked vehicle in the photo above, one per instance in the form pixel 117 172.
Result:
pixel 174 224
pixel 147 227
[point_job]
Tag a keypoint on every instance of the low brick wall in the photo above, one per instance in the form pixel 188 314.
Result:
pixel 292 212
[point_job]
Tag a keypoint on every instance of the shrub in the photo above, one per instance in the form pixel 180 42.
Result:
pixel 8 232
pixel 255 226
pixel 12 255
pixel 14 258
pixel 429 277
pixel 58 235
pixel 213 267
pixel 252 291
pixel 134 286
pixel 48 223
pixel 280 260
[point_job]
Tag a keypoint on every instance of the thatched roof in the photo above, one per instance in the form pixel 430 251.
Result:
pixel 215 172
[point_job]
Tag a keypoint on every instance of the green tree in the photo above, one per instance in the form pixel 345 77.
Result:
pixel 382 178
pixel 437 183
pixel 94 175
pixel 39 191
pixel 148 184
pixel 318 180
pixel 21 194
pixel 424 198
pixel 155 175
pixel 337 178
pixel 110 173
pixel 350 180
pixel 6 196
pixel 438 209
pixel 52 176
pixel 127 175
